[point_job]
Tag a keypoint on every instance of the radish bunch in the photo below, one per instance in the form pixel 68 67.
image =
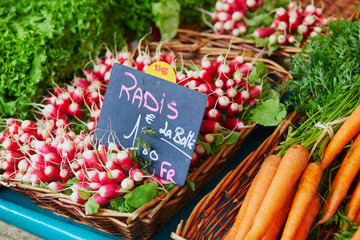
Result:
pixel 229 15
pixel 61 155
pixel 291 25
pixel 294 25
pixel 30 156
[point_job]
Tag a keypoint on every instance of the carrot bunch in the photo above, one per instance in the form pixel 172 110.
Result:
pixel 285 197
pixel 280 184
pixel 350 165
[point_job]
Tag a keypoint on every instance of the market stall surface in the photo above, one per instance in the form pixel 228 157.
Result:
pixel 10 232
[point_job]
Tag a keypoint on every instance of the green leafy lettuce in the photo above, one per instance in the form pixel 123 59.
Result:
pixel 91 207
pixel 268 113
pixel 44 41
pixel 166 16
pixel 136 198
pixel 141 195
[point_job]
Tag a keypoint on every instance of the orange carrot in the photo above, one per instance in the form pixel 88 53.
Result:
pixel 291 166
pixel 343 162
pixel 354 203
pixel 356 236
pixel 357 218
pixel 346 177
pixel 346 132
pixel 230 235
pixel 308 219
pixel 278 223
pixel 308 185
pixel 263 181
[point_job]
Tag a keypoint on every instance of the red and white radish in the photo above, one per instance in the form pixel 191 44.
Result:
pixel 223 102
pixel 210 126
pixel 10 144
pixel 282 14
pixel 207 65
pixel 127 184
pixel 231 92
pixel 65 174
pixel 56 186
pixel 264 32
pixel 107 178
pixel 38 177
pixel 233 109
pixel 100 200
pixel 193 161
pixel 111 191
pixel 124 160
pixel 137 175
pixel 118 174
pixel 200 150
pixel 214 114
pixel 233 124
pixel 75 196
pixel 52 172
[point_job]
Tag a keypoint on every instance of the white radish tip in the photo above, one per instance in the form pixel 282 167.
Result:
pixel 237 16
pixel 309 20
pixel 302 29
pixel 281 38
pixel 272 38
pixel 291 39
pixel 229 25
pixel 223 16
pixel 282 26
pixel 313 34
pixel 127 184
pixel 138 176
pixel 235 32
pixel 280 11
pixel 219 6
pixel 250 3
pixel 318 11
pixel 224 68
pixel 226 7
pixel 310 9
pixel 122 155
pixel 112 157
pixel 224 100
pixel 318 29
pixel 220 58
pixel 242 29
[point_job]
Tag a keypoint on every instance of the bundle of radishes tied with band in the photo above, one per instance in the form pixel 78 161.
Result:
pixel 266 22
pixel 56 150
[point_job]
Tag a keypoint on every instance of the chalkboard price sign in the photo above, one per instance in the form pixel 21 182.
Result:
pixel 134 100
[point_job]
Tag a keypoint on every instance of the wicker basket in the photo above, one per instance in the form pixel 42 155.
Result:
pixel 147 220
pixel 214 214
